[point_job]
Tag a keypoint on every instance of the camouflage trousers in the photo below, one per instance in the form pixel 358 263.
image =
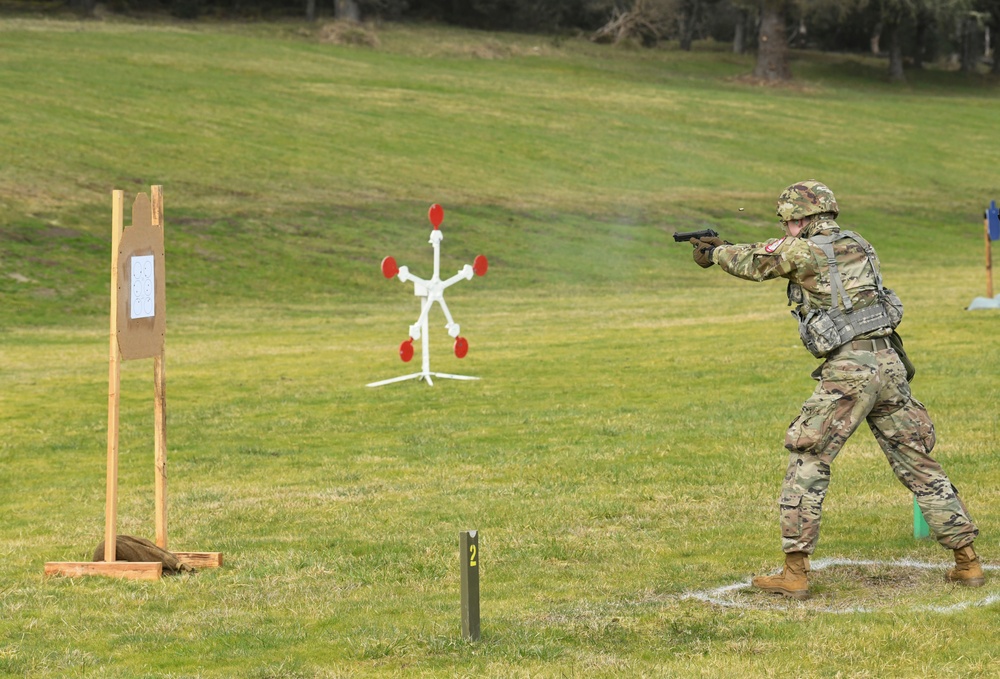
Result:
pixel 856 386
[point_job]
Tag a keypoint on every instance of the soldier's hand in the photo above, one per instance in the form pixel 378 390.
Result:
pixel 702 252
pixel 712 241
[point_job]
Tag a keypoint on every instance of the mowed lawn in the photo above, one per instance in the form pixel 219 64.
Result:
pixel 621 453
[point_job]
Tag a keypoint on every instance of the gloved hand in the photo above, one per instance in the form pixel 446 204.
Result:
pixel 702 252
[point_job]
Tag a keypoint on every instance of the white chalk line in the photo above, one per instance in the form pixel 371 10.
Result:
pixel 715 596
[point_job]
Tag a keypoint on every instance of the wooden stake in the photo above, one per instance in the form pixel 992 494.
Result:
pixel 469 548
pixel 160 449
pixel 160 408
pixel 989 258
pixel 114 383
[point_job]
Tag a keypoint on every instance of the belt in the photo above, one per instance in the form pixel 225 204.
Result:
pixel 869 344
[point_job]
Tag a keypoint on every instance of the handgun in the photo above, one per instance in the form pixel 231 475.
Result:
pixel 684 237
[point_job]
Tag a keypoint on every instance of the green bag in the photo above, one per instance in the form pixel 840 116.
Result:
pixel 897 343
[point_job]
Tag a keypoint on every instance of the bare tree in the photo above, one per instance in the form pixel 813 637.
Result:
pixel 645 20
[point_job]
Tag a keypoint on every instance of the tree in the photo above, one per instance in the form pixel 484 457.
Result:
pixel 892 22
pixel 925 20
pixel 991 14
pixel 346 10
pixel 687 19
pixel 772 42
pixel 740 33
pixel 644 20
pixel 894 13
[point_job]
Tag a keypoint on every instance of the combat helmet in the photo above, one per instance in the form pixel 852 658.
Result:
pixel 804 199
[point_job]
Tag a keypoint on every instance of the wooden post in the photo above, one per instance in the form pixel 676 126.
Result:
pixel 160 409
pixel 114 383
pixel 989 258
pixel 469 548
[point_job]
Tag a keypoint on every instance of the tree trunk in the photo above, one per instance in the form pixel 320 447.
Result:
pixel 968 47
pixel 875 38
pixel 685 26
pixel 922 32
pixel 310 10
pixel 896 74
pixel 996 55
pixel 688 19
pixel 346 10
pixel 772 43
pixel 739 38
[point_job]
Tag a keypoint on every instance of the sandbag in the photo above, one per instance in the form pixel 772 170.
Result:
pixel 131 548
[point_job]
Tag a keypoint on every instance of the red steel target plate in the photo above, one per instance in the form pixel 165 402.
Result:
pixel 480 265
pixel 389 268
pixel 461 347
pixel 436 215
pixel 406 350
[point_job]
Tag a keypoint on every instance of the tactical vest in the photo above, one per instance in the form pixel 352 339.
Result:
pixel 823 330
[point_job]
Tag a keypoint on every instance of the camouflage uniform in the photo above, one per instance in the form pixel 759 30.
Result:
pixel 854 385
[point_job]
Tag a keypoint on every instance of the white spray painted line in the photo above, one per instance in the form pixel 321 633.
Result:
pixel 716 596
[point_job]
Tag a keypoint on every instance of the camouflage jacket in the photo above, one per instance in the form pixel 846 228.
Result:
pixel 804 265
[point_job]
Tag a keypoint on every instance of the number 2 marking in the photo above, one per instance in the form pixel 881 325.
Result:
pixel 472 556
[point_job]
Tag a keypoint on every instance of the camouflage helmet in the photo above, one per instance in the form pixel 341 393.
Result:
pixel 804 199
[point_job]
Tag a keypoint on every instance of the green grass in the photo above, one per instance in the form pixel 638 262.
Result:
pixel 624 445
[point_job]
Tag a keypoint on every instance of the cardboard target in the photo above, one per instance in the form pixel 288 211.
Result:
pixel 142 313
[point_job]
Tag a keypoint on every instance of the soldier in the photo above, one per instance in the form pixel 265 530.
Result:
pixel 847 317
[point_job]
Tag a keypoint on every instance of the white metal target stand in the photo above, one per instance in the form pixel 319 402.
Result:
pixel 431 291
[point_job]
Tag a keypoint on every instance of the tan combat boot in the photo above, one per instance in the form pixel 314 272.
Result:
pixel 792 581
pixel 967 571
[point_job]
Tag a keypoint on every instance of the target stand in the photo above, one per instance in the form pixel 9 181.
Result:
pixel 431 291
pixel 138 330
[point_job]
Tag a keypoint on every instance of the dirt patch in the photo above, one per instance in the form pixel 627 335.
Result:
pixel 60 232
pixel 846 586
pixel 348 33
pixel 794 85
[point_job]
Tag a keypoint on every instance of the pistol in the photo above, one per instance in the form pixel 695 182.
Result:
pixel 684 237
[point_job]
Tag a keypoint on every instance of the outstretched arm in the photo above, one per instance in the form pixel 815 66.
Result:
pixel 757 261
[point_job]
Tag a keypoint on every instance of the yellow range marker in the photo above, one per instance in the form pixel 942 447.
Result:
pixel 470 557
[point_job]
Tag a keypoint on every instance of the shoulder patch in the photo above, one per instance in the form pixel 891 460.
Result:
pixel 771 247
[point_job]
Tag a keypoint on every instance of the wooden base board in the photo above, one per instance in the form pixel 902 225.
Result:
pixel 130 570
pixel 200 559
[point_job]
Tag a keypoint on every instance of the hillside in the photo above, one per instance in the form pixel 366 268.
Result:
pixel 621 455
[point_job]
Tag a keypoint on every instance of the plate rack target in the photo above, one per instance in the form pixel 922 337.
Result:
pixel 431 291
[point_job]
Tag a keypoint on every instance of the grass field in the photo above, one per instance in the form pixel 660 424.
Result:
pixel 623 449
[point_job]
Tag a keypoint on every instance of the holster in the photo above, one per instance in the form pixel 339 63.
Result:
pixel 897 344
